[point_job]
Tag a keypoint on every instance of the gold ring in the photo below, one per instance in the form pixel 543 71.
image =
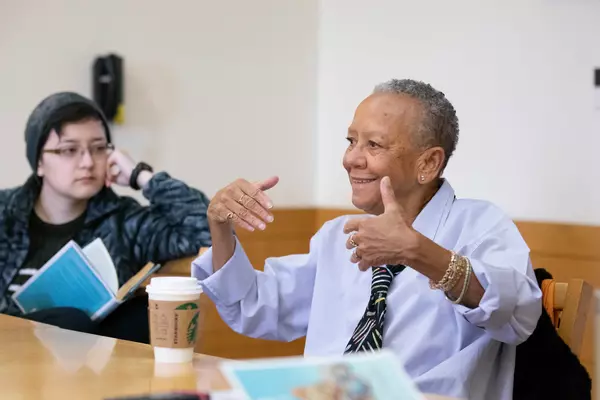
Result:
pixel 230 215
pixel 352 242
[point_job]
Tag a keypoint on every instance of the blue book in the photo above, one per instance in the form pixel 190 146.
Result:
pixel 81 278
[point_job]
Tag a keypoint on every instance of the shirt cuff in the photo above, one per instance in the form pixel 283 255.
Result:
pixel 231 283
pixel 497 305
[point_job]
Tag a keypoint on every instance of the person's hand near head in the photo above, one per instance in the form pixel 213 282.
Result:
pixel 120 166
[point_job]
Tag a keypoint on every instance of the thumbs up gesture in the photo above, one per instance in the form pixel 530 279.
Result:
pixel 385 239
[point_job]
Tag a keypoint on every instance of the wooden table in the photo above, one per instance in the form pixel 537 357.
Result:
pixel 39 361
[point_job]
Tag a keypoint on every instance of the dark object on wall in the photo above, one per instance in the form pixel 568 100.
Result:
pixel 597 87
pixel 108 82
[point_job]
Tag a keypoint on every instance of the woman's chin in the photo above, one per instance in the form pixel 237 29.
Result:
pixel 363 204
pixel 86 193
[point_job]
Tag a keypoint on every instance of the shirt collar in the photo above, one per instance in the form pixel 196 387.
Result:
pixel 435 212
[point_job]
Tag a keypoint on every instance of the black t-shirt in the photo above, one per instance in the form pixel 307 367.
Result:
pixel 45 240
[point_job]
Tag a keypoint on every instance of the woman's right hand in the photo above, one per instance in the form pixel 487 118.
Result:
pixel 244 204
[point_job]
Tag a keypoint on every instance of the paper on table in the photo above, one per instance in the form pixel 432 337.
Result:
pixel 369 376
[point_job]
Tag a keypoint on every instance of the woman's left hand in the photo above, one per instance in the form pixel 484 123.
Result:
pixel 381 240
pixel 119 167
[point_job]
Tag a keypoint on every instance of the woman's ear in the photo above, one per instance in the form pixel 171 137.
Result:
pixel 429 165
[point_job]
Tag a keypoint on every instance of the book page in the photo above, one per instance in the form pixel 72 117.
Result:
pixel 102 262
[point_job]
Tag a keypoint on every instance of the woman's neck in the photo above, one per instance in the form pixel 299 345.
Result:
pixel 416 203
pixel 55 209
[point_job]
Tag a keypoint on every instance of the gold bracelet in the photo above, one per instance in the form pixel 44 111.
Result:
pixel 461 268
pixel 447 274
pixel 455 270
pixel 466 282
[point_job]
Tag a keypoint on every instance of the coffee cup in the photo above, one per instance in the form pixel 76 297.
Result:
pixel 174 316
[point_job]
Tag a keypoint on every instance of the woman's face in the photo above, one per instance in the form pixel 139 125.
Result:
pixel 381 143
pixel 73 164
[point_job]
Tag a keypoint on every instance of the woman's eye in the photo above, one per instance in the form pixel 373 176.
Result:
pixel 69 151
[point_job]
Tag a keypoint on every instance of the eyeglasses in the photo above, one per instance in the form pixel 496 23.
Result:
pixel 97 151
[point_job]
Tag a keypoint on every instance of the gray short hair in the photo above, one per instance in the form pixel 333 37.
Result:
pixel 439 125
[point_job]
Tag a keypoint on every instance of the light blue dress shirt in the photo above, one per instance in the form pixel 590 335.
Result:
pixel 447 349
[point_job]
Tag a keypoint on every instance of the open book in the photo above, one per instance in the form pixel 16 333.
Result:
pixel 81 278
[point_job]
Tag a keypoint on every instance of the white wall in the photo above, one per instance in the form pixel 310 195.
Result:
pixel 518 72
pixel 215 90
pixel 221 89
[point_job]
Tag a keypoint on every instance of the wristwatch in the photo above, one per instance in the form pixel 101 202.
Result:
pixel 133 180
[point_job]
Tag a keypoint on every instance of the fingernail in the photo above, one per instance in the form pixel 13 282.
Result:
pixel 270 218
pixel 262 226
pixel 269 205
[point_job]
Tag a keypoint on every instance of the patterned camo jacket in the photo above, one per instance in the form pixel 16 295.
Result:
pixel 173 225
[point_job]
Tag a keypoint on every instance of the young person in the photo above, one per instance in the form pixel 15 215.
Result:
pixel 69 197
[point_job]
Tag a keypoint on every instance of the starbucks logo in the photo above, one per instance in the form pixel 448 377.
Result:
pixel 192 329
pixel 188 306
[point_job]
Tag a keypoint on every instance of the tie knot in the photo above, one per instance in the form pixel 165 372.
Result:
pixel 383 276
pixel 396 269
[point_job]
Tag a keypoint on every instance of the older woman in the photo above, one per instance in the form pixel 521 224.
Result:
pixel 451 289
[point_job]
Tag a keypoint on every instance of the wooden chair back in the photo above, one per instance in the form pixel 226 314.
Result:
pixel 178 267
pixel 572 299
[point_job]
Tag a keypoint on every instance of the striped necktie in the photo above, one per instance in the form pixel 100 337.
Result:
pixel 368 335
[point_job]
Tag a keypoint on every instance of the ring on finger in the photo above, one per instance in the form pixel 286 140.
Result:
pixel 230 216
pixel 241 200
pixel 352 242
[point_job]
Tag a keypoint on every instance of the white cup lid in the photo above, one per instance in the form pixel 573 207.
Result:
pixel 174 284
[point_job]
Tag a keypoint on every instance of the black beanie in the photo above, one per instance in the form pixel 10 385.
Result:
pixel 39 122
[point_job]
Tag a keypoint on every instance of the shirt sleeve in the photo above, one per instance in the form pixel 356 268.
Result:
pixel 512 303
pixel 274 304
